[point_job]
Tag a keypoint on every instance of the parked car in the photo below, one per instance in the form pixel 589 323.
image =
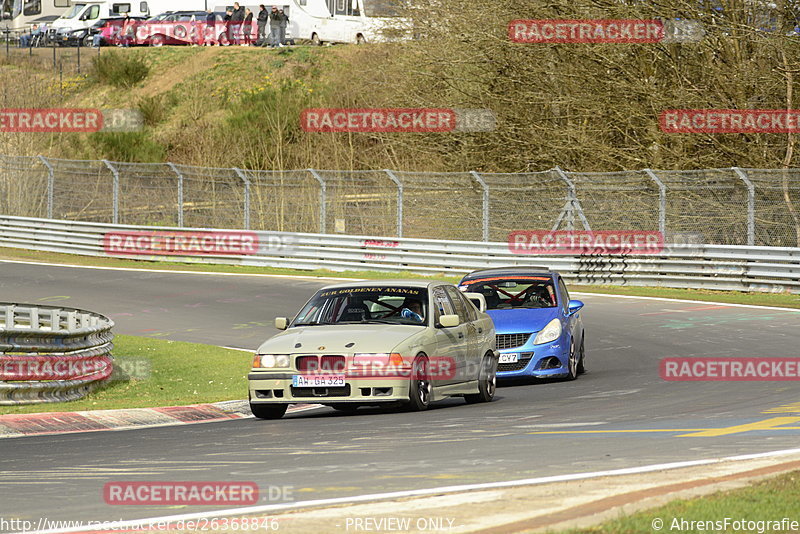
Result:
pixel 181 28
pixel 402 342
pixel 108 28
pixel 539 329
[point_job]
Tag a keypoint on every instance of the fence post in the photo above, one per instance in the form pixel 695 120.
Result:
pixel 115 200
pixel 751 205
pixel 485 205
pixel 323 196
pixel 573 203
pixel 180 193
pixel 662 202
pixel 246 197
pixel 399 185
pixel 50 185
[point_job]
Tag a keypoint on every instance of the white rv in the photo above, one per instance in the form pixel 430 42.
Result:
pixel 343 21
pixel 21 14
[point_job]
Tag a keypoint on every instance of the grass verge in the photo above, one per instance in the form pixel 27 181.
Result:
pixel 767 500
pixel 733 297
pixel 154 372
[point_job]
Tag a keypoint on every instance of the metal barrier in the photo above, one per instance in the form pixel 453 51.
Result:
pixel 755 207
pixel 721 267
pixel 50 354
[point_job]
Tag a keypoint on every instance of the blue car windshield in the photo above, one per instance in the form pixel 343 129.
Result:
pixel 507 292
pixel 347 305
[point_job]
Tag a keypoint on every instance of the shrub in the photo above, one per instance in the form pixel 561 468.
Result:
pixel 120 70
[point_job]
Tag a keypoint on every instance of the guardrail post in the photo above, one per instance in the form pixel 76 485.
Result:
pixel 573 203
pixel 662 202
pixel 50 185
pixel 323 196
pixel 246 197
pixel 180 193
pixel 751 205
pixel 399 185
pixel 115 200
pixel 485 205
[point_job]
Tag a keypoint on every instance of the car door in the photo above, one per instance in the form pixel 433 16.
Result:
pixel 570 323
pixel 464 368
pixel 450 342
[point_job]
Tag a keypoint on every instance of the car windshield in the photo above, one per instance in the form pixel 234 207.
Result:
pixel 505 293
pixel 380 305
pixel 73 12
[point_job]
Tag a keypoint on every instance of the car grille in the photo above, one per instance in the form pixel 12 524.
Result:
pixel 321 392
pixel 509 341
pixel 519 365
pixel 320 364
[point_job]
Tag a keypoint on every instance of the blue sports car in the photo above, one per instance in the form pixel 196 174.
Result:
pixel 539 329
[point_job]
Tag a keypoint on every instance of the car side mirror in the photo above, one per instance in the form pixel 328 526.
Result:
pixel 281 323
pixel 575 306
pixel 449 321
pixel 478 300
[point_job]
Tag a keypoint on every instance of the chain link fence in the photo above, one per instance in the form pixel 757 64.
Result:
pixel 718 206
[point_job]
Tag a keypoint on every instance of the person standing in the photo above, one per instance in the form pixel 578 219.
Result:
pixel 247 27
pixel 226 20
pixel 263 17
pixel 274 27
pixel 284 24
pixel 210 31
pixel 237 18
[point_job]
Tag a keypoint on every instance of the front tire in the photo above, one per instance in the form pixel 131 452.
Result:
pixel 419 394
pixel 581 358
pixel 268 411
pixel 487 383
pixel 572 363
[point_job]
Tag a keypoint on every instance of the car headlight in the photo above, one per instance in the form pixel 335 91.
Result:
pixel 549 333
pixel 270 361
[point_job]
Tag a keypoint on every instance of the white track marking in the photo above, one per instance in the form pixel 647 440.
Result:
pixel 168 271
pixel 664 299
pixel 119 525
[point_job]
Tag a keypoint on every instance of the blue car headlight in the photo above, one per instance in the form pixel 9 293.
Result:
pixel 549 333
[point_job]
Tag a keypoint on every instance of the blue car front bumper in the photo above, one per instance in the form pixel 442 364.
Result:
pixel 548 360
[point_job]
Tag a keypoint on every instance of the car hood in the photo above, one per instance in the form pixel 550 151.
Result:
pixel 522 320
pixel 334 338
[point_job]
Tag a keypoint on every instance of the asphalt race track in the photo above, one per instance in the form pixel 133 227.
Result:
pixel 619 414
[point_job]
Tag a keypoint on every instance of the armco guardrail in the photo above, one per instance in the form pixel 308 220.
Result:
pixel 740 268
pixel 50 354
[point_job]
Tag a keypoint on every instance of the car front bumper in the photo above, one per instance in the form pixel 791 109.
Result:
pixel 277 388
pixel 548 360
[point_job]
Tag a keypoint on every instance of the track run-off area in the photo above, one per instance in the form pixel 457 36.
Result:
pixel 618 415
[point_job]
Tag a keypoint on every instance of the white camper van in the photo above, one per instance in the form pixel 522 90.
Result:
pixel 21 14
pixel 343 21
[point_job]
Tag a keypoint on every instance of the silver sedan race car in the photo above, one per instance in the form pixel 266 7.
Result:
pixel 406 342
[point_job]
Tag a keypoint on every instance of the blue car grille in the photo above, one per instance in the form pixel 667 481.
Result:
pixel 509 341
pixel 519 365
